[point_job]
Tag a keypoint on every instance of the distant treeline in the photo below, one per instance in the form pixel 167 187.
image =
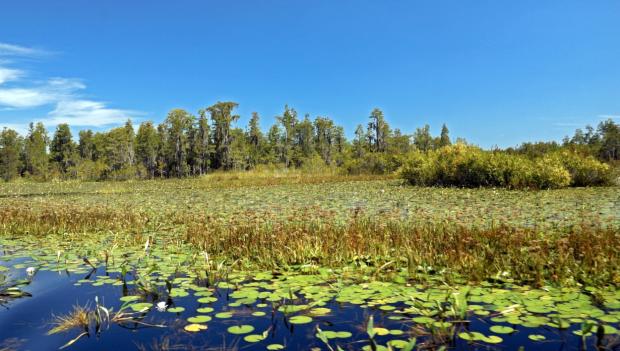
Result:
pixel 187 145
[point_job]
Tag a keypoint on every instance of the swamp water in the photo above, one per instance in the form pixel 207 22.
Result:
pixel 155 298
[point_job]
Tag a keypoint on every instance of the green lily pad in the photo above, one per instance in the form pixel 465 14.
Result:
pixel 300 320
pixel 500 329
pixel 240 329
pixel 141 306
pixel 199 319
pixel 536 337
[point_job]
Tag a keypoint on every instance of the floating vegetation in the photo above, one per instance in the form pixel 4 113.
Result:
pixel 329 276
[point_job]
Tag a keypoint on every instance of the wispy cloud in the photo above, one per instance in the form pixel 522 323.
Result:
pixel 62 95
pixel 17 50
pixel 609 116
pixel 52 91
pixel 87 113
pixel 9 74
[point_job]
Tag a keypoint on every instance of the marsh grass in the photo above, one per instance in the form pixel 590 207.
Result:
pixel 78 318
pixel 579 254
pixel 383 245
pixel 22 218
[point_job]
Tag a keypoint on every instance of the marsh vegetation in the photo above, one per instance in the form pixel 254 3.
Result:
pixel 237 261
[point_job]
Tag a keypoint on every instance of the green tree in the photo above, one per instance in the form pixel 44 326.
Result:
pixel 199 144
pixel 62 148
pixel 254 137
pixel 444 138
pixel 86 145
pixel 379 130
pixel 10 151
pixel 324 138
pixel 609 136
pixel 36 159
pixel 178 124
pixel 147 146
pixel 222 116
pixel 422 138
pixel 288 120
pixel 359 143
pixel 274 144
pixel 303 141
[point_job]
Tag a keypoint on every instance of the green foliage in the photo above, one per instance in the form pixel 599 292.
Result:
pixel 468 166
pixel 36 159
pixel 185 146
pixel 62 149
pixel 374 163
pixel 585 170
pixel 10 146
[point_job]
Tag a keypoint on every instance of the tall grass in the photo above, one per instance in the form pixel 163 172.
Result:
pixel 579 254
pixel 586 254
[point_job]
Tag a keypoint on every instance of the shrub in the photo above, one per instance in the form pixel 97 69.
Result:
pixel 374 163
pixel 585 170
pixel 469 166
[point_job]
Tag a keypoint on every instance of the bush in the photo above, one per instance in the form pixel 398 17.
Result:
pixel 585 170
pixel 468 166
pixel 374 163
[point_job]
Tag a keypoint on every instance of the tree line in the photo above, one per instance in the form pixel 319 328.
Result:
pixel 192 145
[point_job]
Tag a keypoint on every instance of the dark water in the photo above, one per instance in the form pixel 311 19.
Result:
pixel 24 324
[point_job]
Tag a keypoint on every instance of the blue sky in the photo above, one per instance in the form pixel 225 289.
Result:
pixel 497 72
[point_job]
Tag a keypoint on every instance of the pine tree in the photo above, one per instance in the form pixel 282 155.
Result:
pixel 444 138
pixel 10 151
pixel 255 141
pixel 62 148
pixel 36 159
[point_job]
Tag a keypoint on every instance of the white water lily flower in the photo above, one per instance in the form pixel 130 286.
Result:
pixel 30 271
pixel 161 306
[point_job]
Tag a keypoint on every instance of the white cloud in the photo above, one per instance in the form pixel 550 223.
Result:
pixel 86 113
pixel 609 116
pixel 54 90
pixel 9 74
pixel 16 50
pixel 61 94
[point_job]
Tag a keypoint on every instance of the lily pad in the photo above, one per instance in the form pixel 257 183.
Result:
pixel 240 329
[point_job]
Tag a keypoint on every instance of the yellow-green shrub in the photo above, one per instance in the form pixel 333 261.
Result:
pixel 585 170
pixel 469 166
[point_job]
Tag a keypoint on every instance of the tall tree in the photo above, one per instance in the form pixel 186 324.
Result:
pixel 254 138
pixel 62 148
pixel 199 140
pixel 288 120
pixel 444 138
pixel 86 145
pixel 36 160
pixel 162 135
pixel 10 151
pixel 177 126
pixel 324 137
pixel 304 139
pixel 359 142
pixel 222 116
pixel 609 136
pixel 379 130
pixel 422 138
pixel 147 146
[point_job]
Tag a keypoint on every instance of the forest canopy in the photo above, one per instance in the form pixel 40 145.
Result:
pixel 185 145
